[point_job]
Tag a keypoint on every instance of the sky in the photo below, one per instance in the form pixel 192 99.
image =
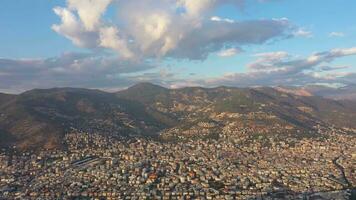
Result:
pixel 113 44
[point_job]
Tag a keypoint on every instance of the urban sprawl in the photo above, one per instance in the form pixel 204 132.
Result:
pixel 98 166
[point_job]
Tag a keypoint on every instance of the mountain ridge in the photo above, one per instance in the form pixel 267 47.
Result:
pixel 347 92
pixel 40 118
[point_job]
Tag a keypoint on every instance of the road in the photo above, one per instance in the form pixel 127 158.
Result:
pixel 341 168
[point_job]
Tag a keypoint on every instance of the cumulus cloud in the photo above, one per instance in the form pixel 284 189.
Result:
pixel 280 68
pixel 126 37
pixel 194 9
pixel 73 29
pixel 214 36
pixel 109 38
pixel 271 69
pixel 81 70
pixel 89 11
pixel 276 61
pixel 67 70
pixel 147 29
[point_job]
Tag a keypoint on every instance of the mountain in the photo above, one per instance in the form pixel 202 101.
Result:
pixel 342 93
pixel 295 91
pixel 189 107
pixel 40 118
pixel 5 98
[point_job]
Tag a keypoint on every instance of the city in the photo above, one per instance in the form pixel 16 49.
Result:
pixel 96 166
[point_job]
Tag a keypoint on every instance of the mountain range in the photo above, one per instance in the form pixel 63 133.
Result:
pixel 347 92
pixel 40 118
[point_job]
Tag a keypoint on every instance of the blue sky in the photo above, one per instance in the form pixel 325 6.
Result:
pixel 132 51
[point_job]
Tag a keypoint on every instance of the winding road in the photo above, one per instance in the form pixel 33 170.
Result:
pixel 341 168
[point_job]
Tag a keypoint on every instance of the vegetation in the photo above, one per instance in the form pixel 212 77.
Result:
pixel 39 118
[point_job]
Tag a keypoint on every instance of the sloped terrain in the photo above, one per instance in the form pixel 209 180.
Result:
pixel 342 93
pixel 40 118
pixel 251 109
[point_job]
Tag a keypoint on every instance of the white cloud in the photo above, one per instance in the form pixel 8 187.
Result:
pixel 336 34
pixel 280 68
pixel 89 11
pixel 67 70
pixel 283 61
pixel 109 38
pixel 159 28
pixel 266 61
pixel 272 56
pixel 218 19
pixel 303 33
pixel 274 69
pixel 100 71
pixel 229 52
pixel 214 36
pixel 343 52
pixel 196 8
pixel 72 29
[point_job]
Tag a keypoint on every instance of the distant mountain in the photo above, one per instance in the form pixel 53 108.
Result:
pixel 40 118
pixel 342 93
pixel 295 91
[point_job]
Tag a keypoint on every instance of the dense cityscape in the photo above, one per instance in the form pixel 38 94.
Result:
pixel 95 166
